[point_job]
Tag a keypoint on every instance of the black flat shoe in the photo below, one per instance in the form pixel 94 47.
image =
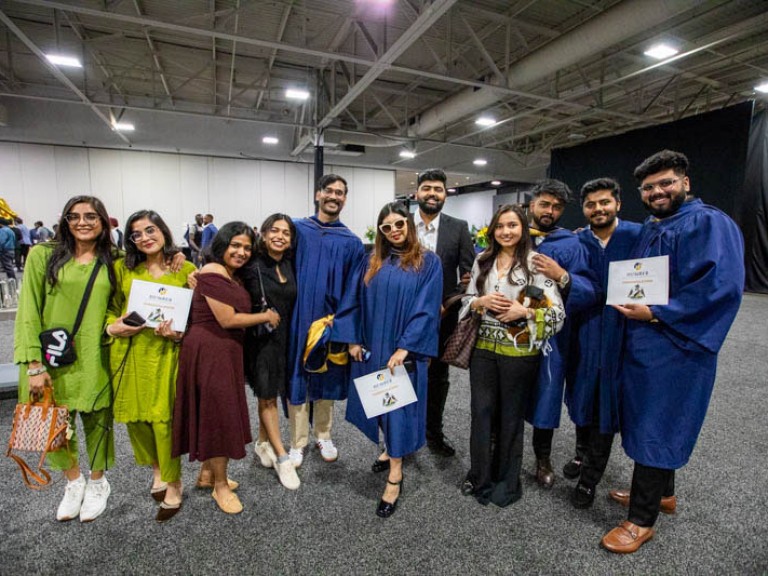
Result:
pixel 467 488
pixel 167 511
pixel 441 447
pixel 582 496
pixel 572 469
pixel 386 509
pixel 380 465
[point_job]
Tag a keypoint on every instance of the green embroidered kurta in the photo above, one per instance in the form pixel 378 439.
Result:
pixel 84 384
pixel 145 387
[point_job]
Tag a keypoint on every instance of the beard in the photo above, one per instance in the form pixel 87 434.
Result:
pixel 607 224
pixel 541 226
pixel 431 208
pixel 676 200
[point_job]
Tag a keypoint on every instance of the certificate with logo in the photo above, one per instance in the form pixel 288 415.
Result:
pixel 641 281
pixel 382 392
pixel 159 302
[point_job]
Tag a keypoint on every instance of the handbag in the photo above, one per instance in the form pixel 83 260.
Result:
pixel 461 344
pixel 58 344
pixel 39 426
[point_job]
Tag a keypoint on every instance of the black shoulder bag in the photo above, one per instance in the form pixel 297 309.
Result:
pixel 58 344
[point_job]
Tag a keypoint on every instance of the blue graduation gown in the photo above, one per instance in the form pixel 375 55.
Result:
pixel 598 333
pixel 669 367
pixel 563 247
pixel 398 309
pixel 328 263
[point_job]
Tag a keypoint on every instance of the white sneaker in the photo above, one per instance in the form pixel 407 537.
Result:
pixel 69 508
pixel 327 450
pixel 95 501
pixel 266 453
pixel 286 471
pixel 297 456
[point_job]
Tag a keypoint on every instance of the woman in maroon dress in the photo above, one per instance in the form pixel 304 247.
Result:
pixel 211 414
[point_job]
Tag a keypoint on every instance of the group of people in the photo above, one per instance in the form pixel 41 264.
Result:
pixel 300 311
pixel 15 241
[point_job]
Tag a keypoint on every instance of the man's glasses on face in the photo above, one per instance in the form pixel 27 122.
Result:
pixel 88 217
pixel 663 184
pixel 397 224
pixel 337 192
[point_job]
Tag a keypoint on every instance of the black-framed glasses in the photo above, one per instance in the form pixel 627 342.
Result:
pixel 88 217
pixel 148 231
pixel 338 192
pixel 397 225
pixel 663 184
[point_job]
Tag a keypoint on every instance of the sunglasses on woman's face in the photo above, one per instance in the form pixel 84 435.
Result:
pixel 396 225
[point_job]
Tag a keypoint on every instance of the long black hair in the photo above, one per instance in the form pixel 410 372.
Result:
pixel 134 256
pixel 487 258
pixel 64 242
pixel 223 238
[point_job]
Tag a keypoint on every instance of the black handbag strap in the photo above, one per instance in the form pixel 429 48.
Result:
pixel 86 297
pixel 264 302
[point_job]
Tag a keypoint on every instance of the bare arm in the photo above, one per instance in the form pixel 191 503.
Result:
pixel 227 317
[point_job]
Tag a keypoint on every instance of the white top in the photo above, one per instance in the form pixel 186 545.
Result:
pixel 427 233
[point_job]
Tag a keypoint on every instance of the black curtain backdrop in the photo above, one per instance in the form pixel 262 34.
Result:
pixel 751 209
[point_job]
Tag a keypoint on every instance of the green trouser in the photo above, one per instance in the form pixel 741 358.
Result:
pixel 99 442
pixel 152 443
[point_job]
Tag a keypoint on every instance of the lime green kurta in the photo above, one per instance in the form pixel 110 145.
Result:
pixel 145 388
pixel 84 384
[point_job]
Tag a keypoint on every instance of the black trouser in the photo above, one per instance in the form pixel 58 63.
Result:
pixel 598 447
pixel 649 486
pixel 21 255
pixel 6 263
pixel 437 379
pixel 542 442
pixel 500 387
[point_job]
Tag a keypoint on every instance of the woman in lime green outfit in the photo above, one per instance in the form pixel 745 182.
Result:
pixel 144 361
pixel 55 278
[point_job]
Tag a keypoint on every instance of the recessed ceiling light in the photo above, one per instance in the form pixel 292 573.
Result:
pixel 661 51
pixel 294 94
pixel 123 126
pixel 480 162
pixel 270 140
pixel 485 121
pixel 451 189
pixel 407 154
pixel 495 182
pixel 762 88
pixel 413 183
pixel 60 60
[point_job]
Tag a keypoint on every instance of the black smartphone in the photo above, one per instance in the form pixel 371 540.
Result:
pixel 134 319
pixel 534 292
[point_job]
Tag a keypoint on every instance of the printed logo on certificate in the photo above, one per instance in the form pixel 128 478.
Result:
pixel 640 281
pixel 381 392
pixel 159 302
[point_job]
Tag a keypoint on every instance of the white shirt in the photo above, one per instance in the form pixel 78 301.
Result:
pixel 427 233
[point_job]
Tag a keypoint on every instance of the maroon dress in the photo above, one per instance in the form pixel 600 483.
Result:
pixel 210 416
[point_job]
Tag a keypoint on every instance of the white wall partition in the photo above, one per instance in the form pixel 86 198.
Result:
pixel 37 180
pixel 476 208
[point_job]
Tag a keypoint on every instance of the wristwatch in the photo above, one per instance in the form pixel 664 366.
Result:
pixel 564 279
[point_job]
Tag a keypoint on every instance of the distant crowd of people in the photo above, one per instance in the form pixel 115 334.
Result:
pixel 298 311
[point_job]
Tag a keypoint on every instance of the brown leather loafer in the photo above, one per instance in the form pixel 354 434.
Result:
pixel 626 538
pixel 207 482
pixel 545 476
pixel 668 503
pixel 167 511
pixel 230 503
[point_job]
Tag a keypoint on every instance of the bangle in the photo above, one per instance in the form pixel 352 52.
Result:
pixel 36 371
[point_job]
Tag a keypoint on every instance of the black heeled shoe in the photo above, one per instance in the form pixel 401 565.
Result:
pixel 380 465
pixel 386 509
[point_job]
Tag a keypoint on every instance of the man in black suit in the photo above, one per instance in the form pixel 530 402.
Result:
pixel 449 238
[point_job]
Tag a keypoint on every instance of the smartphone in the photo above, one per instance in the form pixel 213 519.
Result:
pixel 134 319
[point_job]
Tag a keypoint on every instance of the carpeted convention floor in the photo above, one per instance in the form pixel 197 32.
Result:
pixel 329 526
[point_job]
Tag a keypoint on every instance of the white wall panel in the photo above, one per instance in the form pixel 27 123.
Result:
pixel 73 177
pixel 11 183
pixel 298 194
pixel 193 189
pixel 232 193
pixel 38 173
pixel 475 208
pixel 107 181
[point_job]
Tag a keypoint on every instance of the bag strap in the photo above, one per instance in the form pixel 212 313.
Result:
pixel 41 480
pixel 86 297
pixel 261 286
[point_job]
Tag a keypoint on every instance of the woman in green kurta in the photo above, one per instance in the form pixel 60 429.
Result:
pixel 144 361
pixel 55 278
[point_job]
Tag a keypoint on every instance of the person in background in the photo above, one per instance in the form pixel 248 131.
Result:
pixel 24 245
pixel 117 234
pixel 520 310
pixel 7 248
pixel 208 232
pixel 270 281
pixel 144 361
pixel 210 417
pixel 397 319
pixel 55 280
pixel 195 239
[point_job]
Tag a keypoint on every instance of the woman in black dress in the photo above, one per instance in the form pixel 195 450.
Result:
pixel 269 279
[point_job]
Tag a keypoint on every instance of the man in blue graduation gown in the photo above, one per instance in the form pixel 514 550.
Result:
pixel 670 356
pixel 563 259
pixel 329 258
pixel 591 391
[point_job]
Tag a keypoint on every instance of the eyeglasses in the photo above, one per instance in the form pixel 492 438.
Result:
pixel 88 217
pixel 338 192
pixel 148 231
pixel 663 184
pixel 398 225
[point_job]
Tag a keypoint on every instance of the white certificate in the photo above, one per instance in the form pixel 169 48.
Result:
pixel 382 392
pixel 641 281
pixel 159 302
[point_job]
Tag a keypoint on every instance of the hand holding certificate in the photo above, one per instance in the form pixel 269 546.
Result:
pixel 382 391
pixel 158 303
pixel 641 281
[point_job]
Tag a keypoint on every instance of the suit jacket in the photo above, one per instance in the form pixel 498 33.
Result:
pixel 456 252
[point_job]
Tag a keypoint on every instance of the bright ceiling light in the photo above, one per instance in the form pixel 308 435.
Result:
pixel 451 189
pixel 123 126
pixel 293 94
pixel 270 140
pixel 480 162
pixel 762 88
pixel 60 60
pixel 485 121
pixel 407 154
pixel 495 182
pixel 661 51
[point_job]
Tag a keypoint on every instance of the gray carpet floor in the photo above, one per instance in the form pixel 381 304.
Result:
pixel 329 526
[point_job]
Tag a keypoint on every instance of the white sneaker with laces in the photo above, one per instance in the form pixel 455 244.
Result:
pixel 266 453
pixel 95 501
pixel 286 472
pixel 69 508
pixel 327 450
pixel 297 456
